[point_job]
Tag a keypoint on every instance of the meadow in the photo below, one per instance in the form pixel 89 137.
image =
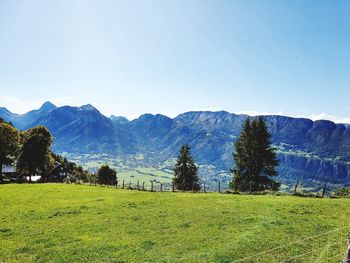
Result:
pixel 146 168
pixel 75 223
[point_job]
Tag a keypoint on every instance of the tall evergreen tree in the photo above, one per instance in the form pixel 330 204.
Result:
pixel 255 158
pixel 186 172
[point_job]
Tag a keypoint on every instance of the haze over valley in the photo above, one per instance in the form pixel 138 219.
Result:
pixel 146 148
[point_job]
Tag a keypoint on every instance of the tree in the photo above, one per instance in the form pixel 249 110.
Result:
pixel 255 158
pixel 186 172
pixel 9 145
pixel 35 154
pixel 75 173
pixel 106 175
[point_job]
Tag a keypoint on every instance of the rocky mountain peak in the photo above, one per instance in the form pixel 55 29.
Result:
pixel 47 106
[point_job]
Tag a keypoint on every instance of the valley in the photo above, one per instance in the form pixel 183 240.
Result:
pixel 145 168
pixel 145 149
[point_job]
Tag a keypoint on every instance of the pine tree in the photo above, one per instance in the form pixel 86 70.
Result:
pixel 255 158
pixel 186 172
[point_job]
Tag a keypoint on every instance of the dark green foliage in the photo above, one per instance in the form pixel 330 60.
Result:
pixel 35 154
pixel 342 192
pixel 186 172
pixel 9 144
pixel 3 121
pixel 255 158
pixel 107 175
pixel 77 173
pixel 32 149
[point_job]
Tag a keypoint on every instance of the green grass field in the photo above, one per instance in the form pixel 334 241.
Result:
pixel 71 223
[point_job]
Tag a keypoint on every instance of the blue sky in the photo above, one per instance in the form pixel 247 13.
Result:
pixel 132 57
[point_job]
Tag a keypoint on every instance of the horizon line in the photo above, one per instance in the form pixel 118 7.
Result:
pixel 312 117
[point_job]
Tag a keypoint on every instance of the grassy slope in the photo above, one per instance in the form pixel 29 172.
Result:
pixel 66 223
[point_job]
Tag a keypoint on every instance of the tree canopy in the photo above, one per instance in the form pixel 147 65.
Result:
pixel 76 172
pixel 255 158
pixel 30 151
pixel 9 144
pixel 186 172
pixel 107 175
pixel 35 155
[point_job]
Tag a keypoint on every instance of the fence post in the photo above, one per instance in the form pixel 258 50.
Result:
pixel 296 187
pixel 324 190
pixel 123 184
pixel 161 187
pixel 129 185
pixel 347 253
pixel 219 187
pixel 151 186
pixel 138 186
pixel 143 186
pixel 203 187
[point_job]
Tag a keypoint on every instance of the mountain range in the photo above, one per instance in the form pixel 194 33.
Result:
pixel 307 150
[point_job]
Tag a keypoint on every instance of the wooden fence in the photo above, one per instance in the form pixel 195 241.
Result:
pixel 219 187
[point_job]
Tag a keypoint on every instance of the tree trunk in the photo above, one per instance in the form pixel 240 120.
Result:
pixel 43 176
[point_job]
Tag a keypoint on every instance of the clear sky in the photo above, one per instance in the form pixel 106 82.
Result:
pixel 170 56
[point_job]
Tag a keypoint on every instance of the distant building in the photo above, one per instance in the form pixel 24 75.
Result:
pixel 58 173
pixel 8 169
pixel 10 173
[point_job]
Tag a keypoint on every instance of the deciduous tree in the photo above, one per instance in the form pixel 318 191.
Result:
pixel 35 154
pixel 9 145
pixel 106 175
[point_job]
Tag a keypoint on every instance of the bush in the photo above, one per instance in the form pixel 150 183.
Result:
pixel 342 192
pixel 300 194
pixel 107 175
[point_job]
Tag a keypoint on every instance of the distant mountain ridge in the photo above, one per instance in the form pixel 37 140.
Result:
pixel 310 150
pixel 118 119
pixel 21 121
